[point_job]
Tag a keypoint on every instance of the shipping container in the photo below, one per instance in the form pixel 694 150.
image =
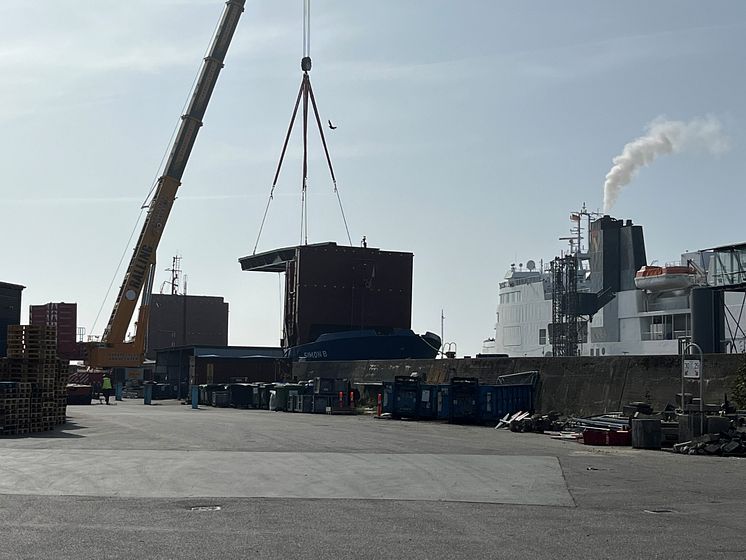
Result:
pixel 63 316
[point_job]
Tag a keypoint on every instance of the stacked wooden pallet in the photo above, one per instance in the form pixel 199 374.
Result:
pixel 35 381
pixel 14 407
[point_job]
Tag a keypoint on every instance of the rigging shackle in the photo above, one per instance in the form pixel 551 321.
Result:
pixel 305 64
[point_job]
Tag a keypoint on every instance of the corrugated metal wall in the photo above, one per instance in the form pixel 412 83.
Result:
pixel 63 316
pixel 332 288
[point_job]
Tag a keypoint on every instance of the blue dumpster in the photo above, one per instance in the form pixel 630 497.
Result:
pixel 443 402
pixel 427 408
pixel 464 401
pixel 495 401
pixel 510 399
pixel 406 397
pixel 488 409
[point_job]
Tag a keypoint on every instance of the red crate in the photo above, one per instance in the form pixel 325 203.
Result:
pixel 622 437
pixel 596 436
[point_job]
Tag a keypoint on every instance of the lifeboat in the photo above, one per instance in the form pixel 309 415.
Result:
pixel 664 278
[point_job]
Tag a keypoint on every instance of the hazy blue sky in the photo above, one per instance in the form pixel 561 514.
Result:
pixel 467 131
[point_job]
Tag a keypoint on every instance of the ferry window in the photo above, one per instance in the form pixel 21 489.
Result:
pixel 603 351
pixel 542 336
pixel 681 325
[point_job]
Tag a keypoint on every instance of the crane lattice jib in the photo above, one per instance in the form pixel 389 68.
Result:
pixel 165 193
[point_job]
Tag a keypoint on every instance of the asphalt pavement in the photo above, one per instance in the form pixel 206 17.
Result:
pixel 165 481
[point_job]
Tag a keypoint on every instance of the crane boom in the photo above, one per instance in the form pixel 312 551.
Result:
pixel 113 351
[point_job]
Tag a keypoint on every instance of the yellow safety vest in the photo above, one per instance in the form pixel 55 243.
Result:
pixel 106 384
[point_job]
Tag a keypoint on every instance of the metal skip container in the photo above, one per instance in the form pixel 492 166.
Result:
pixel 443 402
pixel 495 401
pixel 428 402
pixel 406 397
pixel 464 405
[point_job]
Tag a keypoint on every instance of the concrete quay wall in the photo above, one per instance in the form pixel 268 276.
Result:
pixel 580 385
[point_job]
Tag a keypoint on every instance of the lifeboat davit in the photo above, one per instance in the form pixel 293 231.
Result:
pixel 664 278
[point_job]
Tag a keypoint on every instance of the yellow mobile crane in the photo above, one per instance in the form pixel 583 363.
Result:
pixel 113 350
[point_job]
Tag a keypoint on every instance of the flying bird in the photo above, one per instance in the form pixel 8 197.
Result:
pixel 331 125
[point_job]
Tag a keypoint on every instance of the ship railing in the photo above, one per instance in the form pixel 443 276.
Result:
pixel 664 335
pixel 521 281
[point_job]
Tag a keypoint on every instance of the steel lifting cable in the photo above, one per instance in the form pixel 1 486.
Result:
pixel 279 165
pixel 304 93
pixel 305 86
pixel 304 186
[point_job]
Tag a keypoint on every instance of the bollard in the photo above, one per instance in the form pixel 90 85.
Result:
pixel 195 396
pixel 118 392
pixel 147 393
pixel 380 404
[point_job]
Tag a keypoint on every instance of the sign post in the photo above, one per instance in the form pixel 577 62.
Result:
pixel 693 369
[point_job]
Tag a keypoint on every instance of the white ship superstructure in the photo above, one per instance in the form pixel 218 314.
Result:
pixel 625 305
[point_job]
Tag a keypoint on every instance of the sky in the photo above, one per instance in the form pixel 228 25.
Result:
pixel 466 134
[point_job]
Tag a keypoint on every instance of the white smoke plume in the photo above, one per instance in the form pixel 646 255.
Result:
pixel 663 137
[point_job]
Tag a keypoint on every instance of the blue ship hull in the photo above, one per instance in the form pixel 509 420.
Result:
pixel 368 345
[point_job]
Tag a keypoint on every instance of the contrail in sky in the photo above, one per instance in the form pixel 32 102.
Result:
pixel 663 137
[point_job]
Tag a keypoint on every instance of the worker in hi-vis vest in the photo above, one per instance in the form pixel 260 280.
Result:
pixel 106 387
